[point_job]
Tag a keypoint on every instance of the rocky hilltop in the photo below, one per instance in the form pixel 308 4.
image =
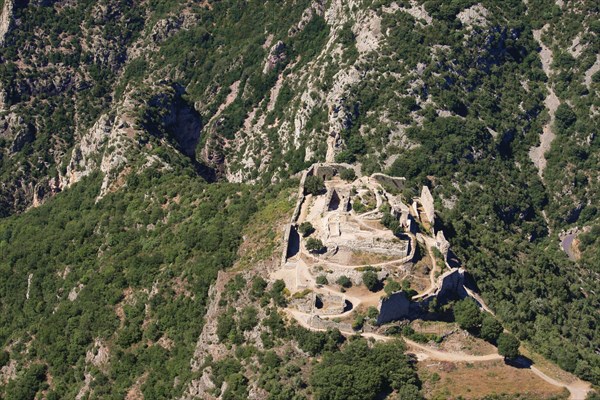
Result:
pixel 149 147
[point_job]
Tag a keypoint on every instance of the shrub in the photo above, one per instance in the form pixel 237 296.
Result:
pixel 314 185
pixel 370 280
pixel 277 293
pixel 4 358
pixel 248 318
pixel 225 325
pixel 322 280
pixel 344 281
pixel 358 322
pixel 358 206
pixel 314 245
pixel 258 286
pixel 306 229
pixel 372 312
pixel 391 286
pixel 348 175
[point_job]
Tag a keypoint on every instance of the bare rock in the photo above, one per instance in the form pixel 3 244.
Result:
pixel 277 55
pixel 6 17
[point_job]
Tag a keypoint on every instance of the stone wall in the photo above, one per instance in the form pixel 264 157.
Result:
pixel 286 243
pixel 332 304
pixel 291 243
pixel 395 307
pixel 442 244
pixel 391 182
pixel 319 323
pixel 398 307
pixel 398 249
pixel 427 203
pixel 451 286
pixel 329 170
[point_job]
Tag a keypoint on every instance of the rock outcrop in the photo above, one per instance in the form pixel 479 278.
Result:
pixel 6 17
pixel 277 55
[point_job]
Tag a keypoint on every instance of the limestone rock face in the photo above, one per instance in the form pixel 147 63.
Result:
pixel 83 160
pixel 6 19
pixel 180 120
pixel 14 128
pixel 276 56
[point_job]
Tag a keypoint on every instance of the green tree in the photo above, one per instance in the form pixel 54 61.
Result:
pixel 491 328
pixel 314 185
pixel 508 345
pixel 348 174
pixel 322 280
pixel 344 281
pixel 306 229
pixel 248 318
pixel 314 245
pixel 467 314
pixel 565 117
pixel 4 358
pixel 370 280
pixel 258 287
pixel 359 372
pixel 392 286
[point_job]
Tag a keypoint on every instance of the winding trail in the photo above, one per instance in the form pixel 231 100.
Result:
pixel 578 388
pixel 434 268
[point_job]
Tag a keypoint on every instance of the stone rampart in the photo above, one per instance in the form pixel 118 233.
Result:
pixel 388 248
pixel 392 182
pixel 329 170
pixel 319 323
pixel 427 203
pixel 330 304
pixel 393 308
pixel 286 243
pixel 442 244
pixel 451 286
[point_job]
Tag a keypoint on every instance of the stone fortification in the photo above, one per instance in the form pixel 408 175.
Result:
pixel 451 286
pixel 337 199
pixel 395 248
pixel 319 323
pixel 398 307
pixel 442 244
pixel 389 182
pixel 286 243
pixel 328 170
pixel 427 203
pixel 395 307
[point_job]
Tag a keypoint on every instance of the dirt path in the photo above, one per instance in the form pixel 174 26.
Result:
pixel 434 268
pixel 577 388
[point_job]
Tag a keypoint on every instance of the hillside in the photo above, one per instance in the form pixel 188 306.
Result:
pixel 147 147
